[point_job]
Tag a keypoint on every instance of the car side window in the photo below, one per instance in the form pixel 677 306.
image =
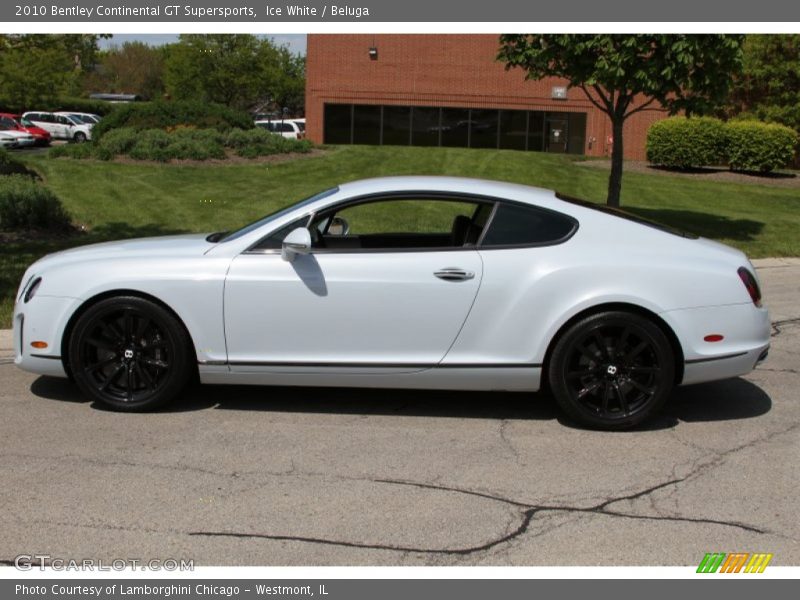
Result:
pixel 398 224
pixel 519 225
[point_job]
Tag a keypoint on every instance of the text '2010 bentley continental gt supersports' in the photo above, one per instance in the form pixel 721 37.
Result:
pixel 403 282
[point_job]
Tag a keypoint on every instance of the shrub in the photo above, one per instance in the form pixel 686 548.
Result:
pixel 10 166
pixel 118 141
pixel 256 142
pixel 681 142
pixel 757 146
pixel 72 151
pixel 163 115
pixel 28 204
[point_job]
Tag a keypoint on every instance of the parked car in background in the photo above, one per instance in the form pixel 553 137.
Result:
pixel 286 128
pixel 88 118
pixel 301 123
pixel 40 136
pixel 13 137
pixel 60 126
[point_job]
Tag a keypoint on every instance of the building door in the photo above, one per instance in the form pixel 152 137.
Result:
pixel 556 134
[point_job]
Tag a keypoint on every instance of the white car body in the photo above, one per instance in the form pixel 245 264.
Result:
pixel 287 128
pixel 11 138
pixel 60 126
pixel 382 319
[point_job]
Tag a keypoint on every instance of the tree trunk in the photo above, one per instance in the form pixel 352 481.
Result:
pixel 615 178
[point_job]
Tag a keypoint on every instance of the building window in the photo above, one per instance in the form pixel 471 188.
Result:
pixel 536 130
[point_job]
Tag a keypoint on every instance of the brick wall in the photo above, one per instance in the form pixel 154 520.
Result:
pixel 443 70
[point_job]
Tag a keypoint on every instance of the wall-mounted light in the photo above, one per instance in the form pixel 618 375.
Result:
pixel 373 53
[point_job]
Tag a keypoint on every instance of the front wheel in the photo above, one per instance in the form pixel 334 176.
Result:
pixel 612 370
pixel 80 137
pixel 130 354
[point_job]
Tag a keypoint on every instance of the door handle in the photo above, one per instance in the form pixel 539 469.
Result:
pixel 454 274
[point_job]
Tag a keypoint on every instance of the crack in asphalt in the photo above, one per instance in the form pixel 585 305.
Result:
pixel 776 325
pixel 527 511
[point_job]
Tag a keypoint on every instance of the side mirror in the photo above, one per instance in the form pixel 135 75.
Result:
pixel 297 242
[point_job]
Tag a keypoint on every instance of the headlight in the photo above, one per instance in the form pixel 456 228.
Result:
pixel 31 292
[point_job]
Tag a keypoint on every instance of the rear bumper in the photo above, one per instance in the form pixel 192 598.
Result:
pixel 746 333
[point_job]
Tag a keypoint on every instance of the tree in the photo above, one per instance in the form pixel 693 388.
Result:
pixel 38 68
pixel 240 71
pixel 769 86
pixel 134 68
pixel 625 74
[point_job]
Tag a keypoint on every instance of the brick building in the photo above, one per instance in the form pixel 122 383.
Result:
pixel 448 90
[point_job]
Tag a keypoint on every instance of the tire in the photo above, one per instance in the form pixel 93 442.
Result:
pixel 130 354
pixel 612 370
pixel 79 138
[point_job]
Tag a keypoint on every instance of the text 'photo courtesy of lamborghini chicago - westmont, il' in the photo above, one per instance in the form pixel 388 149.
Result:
pixel 403 282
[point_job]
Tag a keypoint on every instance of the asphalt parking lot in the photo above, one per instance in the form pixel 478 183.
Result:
pixel 279 476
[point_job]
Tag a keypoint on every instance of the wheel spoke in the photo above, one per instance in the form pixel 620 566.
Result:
pixel 113 376
pixel 127 324
pixel 99 365
pixel 623 401
pixel 635 352
pixel 582 373
pixel 101 343
pixel 129 383
pixel 154 362
pixel 141 327
pixel 587 353
pixel 644 369
pixel 600 341
pixel 116 332
pixel 589 388
pixel 641 388
pixel 606 396
pixel 623 338
pixel 145 376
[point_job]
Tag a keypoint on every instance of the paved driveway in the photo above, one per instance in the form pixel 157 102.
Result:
pixel 308 476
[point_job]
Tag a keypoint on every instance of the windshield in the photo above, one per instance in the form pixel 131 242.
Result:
pixel 25 122
pixel 279 213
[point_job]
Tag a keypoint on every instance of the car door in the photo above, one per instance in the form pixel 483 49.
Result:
pixel 359 308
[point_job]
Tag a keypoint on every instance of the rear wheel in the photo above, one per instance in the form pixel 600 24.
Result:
pixel 612 370
pixel 130 354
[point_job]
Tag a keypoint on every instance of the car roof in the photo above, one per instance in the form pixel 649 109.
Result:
pixel 458 185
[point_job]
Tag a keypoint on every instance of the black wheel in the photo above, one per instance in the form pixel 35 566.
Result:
pixel 80 137
pixel 130 354
pixel 612 370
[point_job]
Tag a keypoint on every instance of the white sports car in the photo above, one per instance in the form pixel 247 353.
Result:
pixel 404 282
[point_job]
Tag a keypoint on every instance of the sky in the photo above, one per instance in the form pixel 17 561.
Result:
pixel 295 41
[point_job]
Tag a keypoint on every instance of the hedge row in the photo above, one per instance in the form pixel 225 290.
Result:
pixel 182 143
pixel 683 143
pixel 63 103
pixel 27 204
pixel 168 115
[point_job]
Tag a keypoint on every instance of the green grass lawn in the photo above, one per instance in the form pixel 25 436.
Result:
pixel 117 200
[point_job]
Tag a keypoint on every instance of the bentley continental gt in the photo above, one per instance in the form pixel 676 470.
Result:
pixel 403 282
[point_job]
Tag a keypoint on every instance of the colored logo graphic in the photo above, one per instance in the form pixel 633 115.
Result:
pixel 736 562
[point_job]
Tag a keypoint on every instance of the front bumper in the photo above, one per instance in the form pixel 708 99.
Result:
pixel 44 318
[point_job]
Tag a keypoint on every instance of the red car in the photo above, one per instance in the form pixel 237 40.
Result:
pixel 12 121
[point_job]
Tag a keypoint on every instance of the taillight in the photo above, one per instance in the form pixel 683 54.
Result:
pixel 751 284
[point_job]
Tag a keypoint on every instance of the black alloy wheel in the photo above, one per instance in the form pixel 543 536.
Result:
pixel 130 354
pixel 80 137
pixel 612 370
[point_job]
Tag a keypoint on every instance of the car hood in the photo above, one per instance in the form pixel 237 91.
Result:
pixel 173 246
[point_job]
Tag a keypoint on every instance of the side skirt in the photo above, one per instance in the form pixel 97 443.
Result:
pixel 504 378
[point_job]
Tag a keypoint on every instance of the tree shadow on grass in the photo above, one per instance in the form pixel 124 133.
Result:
pixel 702 224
